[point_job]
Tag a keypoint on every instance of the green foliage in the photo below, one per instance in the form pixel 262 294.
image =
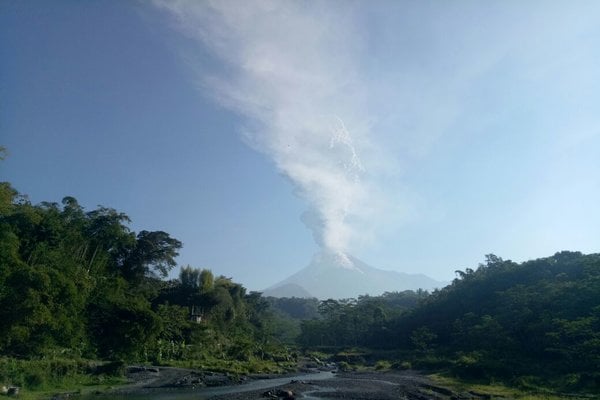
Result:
pixel 422 339
pixel 383 365
pixel 82 284
pixel 121 323
pixel 57 373
pixel 295 307
pixel 344 366
pixel 152 254
pixel 357 322
pixel 402 365
pixel 502 320
pixel 76 283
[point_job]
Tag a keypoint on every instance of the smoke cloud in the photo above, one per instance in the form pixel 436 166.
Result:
pixel 293 72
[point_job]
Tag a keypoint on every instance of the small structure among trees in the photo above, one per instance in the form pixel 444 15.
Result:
pixel 196 315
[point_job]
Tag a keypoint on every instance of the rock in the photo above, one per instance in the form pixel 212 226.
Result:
pixel 485 396
pixel 12 391
pixel 3 390
pixel 270 394
pixel 279 394
pixel 216 380
pixel 297 381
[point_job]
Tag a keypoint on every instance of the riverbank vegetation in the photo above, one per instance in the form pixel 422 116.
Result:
pixel 78 286
pixel 531 325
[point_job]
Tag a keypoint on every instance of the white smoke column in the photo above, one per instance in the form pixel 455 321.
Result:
pixel 291 70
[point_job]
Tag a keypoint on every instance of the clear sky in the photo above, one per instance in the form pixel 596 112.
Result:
pixel 416 136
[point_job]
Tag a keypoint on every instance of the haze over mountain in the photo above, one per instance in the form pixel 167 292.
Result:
pixel 288 290
pixel 339 275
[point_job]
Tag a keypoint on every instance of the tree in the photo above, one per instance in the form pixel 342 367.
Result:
pixel 422 339
pixel 153 254
pixel 189 278
pixel 121 323
pixel 207 281
pixel 108 235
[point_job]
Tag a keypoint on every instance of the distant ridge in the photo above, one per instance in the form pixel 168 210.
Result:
pixel 287 290
pixel 339 275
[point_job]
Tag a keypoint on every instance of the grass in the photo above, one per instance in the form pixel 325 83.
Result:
pixel 77 388
pixel 253 366
pixel 44 377
pixel 501 391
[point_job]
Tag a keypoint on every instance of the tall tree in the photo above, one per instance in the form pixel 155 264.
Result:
pixel 152 254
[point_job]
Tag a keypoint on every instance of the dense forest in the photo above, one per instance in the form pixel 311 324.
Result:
pixel 77 284
pixel 81 284
pixel 536 322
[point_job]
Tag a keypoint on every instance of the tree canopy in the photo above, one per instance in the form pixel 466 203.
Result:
pixel 82 282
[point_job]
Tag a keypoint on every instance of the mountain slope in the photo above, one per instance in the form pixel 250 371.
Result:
pixel 338 275
pixel 287 290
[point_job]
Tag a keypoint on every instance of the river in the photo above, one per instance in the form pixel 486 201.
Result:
pixel 207 392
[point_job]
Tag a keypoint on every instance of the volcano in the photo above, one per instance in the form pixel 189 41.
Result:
pixel 339 275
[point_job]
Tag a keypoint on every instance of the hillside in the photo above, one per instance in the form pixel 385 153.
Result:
pixel 338 276
pixel 523 323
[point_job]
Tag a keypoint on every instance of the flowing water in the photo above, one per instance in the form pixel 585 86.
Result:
pixel 204 393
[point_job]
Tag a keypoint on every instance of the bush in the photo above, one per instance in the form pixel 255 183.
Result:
pixel 35 379
pixel 402 365
pixel 40 374
pixel 344 366
pixel 382 365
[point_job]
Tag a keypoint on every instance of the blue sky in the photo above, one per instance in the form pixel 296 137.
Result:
pixel 417 136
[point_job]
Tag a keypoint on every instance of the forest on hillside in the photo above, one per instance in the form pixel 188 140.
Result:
pixel 81 285
pixel 531 322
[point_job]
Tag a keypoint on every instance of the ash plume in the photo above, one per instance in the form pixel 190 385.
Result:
pixel 291 72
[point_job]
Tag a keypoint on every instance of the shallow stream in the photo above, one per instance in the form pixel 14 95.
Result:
pixel 206 392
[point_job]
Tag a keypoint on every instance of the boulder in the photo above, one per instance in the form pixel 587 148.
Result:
pixel 279 394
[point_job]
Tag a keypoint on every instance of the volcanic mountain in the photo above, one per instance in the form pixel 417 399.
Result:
pixel 339 275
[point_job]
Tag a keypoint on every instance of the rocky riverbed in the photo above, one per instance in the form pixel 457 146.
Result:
pixel 359 386
pixel 182 384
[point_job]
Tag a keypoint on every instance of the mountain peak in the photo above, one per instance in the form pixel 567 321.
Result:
pixel 333 274
pixel 334 259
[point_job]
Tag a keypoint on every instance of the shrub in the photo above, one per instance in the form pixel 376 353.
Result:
pixel 383 365
pixel 402 365
pixel 344 366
